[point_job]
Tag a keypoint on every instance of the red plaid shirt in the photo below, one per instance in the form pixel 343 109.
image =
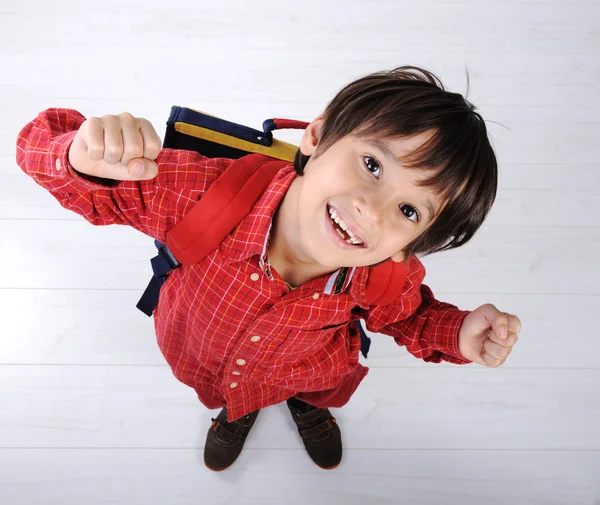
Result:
pixel 229 326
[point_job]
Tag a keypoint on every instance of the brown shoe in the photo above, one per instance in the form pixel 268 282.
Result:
pixel 224 441
pixel 320 433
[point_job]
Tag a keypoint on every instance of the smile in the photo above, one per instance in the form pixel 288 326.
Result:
pixel 342 230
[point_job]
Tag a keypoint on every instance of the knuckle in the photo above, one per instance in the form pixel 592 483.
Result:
pixel 154 146
pixel 113 153
pixel 95 148
pixel 109 119
pixel 95 152
pixel 133 150
pixel 143 122
pixel 126 116
pixel 93 121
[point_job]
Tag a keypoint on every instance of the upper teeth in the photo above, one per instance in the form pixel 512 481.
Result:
pixel 335 217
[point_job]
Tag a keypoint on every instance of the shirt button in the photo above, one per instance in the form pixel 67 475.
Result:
pixel 255 338
pixel 255 277
pixel 58 165
pixel 315 296
pixel 240 362
pixel 233 385
pixel 235 372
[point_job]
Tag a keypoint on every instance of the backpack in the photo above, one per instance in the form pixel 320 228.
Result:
pixel 232 196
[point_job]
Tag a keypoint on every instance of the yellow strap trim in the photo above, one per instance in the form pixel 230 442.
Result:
pixel 279 149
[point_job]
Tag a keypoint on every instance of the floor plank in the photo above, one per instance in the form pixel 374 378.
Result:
pixel 178 477
pixel 451 408
pixel 508 27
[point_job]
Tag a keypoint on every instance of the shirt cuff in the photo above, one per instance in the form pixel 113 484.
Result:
pixel 59 157
pixel 445 341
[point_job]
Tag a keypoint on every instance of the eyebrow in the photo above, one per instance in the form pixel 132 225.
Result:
pixel 381 146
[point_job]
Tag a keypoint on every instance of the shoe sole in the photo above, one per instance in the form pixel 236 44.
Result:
pixel 217 470
pixel 329 467
pixel 223 469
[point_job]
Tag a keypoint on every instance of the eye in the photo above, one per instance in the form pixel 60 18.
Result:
pixel 372 166
pixel 410 213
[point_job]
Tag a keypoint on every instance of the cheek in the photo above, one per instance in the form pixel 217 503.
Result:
pixel 398 237
pixel 325 182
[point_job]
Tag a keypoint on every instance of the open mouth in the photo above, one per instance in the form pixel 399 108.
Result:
pixel 342 230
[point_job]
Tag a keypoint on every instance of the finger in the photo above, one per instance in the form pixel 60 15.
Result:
pixel 479 360
pixel 497 320
pixel 514 323
pixel 491 361
pixel 133 144
pixel 151 140
pixel 500 325
pixel 509 341
pixel 92 135
pixel 496 350
pixel 142 169
pixel 113 140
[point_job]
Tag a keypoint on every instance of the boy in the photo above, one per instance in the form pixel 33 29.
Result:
pixel 395 166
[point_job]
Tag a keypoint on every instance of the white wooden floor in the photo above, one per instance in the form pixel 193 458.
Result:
pixel 89 412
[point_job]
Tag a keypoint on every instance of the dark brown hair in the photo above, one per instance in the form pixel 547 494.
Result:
pixel 407 101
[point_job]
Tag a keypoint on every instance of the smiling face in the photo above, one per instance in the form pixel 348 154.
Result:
pixel 356 204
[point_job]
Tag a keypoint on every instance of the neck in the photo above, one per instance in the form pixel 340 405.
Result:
pixel 285 255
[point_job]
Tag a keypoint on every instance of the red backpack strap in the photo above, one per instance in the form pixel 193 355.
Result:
pixel 387 280
pixel 222 207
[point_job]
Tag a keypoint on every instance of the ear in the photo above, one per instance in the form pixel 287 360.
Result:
pixel 312 136
pixel 398 257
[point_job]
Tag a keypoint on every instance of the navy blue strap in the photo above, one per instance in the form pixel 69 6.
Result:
pixel 365 341
pixel 162 264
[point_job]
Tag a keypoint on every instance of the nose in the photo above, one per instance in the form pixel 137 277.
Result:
pixel 370 210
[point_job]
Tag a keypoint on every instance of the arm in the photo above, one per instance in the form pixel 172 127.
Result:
pixel 151 206
pixel 427 327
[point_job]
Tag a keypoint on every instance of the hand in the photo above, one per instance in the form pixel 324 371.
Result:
pixel 487 335
pixel 115 147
